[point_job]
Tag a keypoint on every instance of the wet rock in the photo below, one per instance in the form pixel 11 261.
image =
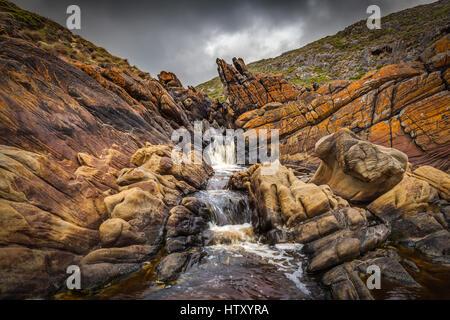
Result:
pixel 176 244
pixel 95 275
pixel 196 206
pixel 348 281
pixel 337 248
pixel 410 265
pixel 345 283
pixel 446 213
pixel 338 235
pixel 440 217
pixel 183 243
pixel 415 226
pixel 67 185
pixel 390 270
pixel 171 266
pixel 185 225
pixel 435 247
pixel 130 254
pixel 183 222
pixel 30 273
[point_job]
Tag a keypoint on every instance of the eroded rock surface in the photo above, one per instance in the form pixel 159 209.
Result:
pixel 357 170
pixel 86 176
pixel 401 207
pixel 402 106
pixel 246 91
pixel 107 233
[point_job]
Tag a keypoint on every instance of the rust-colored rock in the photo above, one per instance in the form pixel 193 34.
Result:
pixel 195 104
pixel 404 106
pixel 247 92
pixel 67 187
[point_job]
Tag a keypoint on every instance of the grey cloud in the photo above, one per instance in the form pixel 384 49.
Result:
pixel 175 35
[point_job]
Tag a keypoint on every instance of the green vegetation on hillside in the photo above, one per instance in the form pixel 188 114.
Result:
pixel 57 40
pixel 354 51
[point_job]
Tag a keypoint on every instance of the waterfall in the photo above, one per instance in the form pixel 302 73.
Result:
pixel 236 265
pixel 227 207
pixel 223 153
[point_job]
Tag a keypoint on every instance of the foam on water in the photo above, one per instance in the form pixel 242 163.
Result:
pixel 285 257
pixel 231 227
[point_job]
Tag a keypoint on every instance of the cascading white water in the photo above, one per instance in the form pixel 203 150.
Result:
pixel 232 232
pixel 223 154
pixel 227 207
pixel 236 265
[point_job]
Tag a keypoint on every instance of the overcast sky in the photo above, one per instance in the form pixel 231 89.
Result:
pixel 186 37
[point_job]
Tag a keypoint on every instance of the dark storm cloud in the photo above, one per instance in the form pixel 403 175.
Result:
pixel 185 37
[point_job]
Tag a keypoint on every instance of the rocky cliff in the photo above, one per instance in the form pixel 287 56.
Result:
pixel 404 106
pixel 83 178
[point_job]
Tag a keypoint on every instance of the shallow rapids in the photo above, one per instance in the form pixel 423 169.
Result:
pixel 237 265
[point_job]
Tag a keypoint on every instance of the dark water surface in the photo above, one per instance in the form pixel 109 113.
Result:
pixel 237 266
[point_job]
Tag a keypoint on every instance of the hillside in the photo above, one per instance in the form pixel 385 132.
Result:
pixel 57 40
pixel 352 52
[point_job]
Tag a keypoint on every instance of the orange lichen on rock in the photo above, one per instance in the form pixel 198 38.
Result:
pixel 246 91
pixel 404 105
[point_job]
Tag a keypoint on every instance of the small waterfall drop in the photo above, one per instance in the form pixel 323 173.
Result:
pixel 223 154
pixel 236 265
pixel 227 207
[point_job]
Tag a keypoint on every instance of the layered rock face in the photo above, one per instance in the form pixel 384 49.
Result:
pixel 399 205
pixel 355 50
pixel 86 175
pixel 105 221
pixel 196 104
pixel 404 106
pixel 246 91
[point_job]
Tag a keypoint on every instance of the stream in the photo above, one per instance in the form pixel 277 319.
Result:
pixel 236 265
